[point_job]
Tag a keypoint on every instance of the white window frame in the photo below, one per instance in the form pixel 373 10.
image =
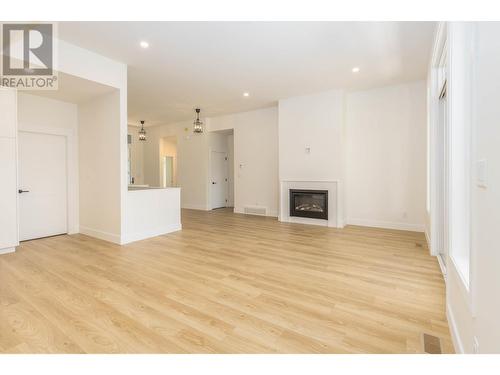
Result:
pixel 455 41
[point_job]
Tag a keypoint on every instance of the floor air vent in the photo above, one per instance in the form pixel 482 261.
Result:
pixel 255 210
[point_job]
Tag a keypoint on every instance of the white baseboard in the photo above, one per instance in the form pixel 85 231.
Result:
pixel 74 230
pixel 455 336
pixel 151 233
pixel 7 250
pixel 341 224
pixel 305 221
pixel 110 237
pixel 195 207
pixel 387 225
pixel 428 239
pixel 237 210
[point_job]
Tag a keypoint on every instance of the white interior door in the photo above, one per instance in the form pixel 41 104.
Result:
pixel 218 183
pixel 42 185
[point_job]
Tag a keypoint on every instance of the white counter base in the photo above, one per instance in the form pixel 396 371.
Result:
pixel 152 212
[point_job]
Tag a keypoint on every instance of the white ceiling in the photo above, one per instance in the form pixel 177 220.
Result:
pixel 211 64
pixel 73 89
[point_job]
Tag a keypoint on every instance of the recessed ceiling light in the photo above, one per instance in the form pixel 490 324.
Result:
pixel 355 69
pixel 246 94
pixel 144 44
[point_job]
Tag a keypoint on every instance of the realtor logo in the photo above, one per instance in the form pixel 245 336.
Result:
pixel 28 56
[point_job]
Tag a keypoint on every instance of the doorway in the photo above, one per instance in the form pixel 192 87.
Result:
pixel 219 179
pixel 168 171
pixel 168 161
pixel 42 185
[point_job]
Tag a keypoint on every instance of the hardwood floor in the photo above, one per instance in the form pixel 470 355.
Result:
pixel 226 283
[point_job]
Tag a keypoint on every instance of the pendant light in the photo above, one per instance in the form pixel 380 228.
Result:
pixel 197 124
pixel 142 132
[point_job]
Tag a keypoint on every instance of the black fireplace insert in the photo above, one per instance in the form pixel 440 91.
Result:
pixel 309 203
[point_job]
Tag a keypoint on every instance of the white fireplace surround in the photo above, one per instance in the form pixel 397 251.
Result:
pixel 334 208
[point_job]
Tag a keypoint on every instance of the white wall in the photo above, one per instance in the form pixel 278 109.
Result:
pixel 255 157
pixel 100 144
pixel 315 122
pixel 9 238
pixel 255 144
pixel 89 65
pixel 82 63
pixel 312 143
pixel 49 116
pixel 386 157
pixel 473 313
pixel 136 156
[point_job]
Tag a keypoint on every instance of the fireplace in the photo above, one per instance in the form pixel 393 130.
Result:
pixel 309 203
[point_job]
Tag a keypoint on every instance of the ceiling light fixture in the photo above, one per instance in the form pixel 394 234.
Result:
pixel 144 44
pixel 142 132
pixel 355 69
pixel 246 94
pixel 197 124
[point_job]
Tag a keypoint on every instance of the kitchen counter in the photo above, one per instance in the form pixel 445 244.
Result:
pixel 147 187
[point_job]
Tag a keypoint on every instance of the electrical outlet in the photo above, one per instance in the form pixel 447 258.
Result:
pixel 475 345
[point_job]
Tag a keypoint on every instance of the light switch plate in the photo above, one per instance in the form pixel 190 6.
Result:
pixel 481 173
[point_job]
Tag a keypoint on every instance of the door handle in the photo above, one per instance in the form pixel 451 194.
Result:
pixel 213 182
pixel 20 191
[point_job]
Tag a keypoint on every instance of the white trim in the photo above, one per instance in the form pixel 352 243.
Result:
pixel 442 266
pixel 7 250
pixel 335 201
pixel 200 207
pixel 461 111
pixel 455 335
pixel 106 236
pixel 427 238
pixel 440 44
pixel 238 210
pixel 132 237
pixel 387 225
pixel 465 290
pixel 307 221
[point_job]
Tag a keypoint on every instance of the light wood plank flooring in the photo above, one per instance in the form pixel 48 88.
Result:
pixel 226 283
